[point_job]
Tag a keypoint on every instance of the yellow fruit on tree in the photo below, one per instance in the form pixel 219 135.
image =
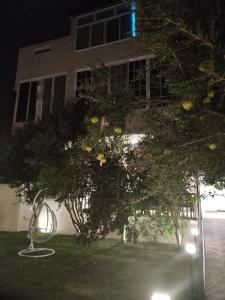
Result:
pixel 94 120
pixel 88 148
pixel 117 130
pixel 212 146
pixel 103 160
pixel 187 104
pixel 210 94
pixel 201 68
pixel 100 156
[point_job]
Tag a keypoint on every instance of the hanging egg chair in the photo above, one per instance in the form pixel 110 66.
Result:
pixel 42 227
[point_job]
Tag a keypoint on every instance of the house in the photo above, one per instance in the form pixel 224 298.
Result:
pixel 50 74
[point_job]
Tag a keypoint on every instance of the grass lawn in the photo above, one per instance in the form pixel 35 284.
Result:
pixel 107 270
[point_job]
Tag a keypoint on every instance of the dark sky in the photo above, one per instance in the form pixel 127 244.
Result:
pixel 25 22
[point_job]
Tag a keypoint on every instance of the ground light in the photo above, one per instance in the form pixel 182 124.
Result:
pixel 190 248
pixel 194 231
pixel 160 296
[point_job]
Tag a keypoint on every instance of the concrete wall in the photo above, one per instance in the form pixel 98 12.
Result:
pixel 9 209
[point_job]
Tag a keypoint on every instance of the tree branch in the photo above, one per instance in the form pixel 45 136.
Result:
pixel 197 141
pixel 213 112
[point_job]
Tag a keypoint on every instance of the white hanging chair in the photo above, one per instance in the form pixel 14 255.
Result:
pixel 42 227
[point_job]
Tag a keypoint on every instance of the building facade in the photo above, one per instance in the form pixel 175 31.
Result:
pixel 50 74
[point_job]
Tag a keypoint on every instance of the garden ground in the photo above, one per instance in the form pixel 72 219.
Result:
pixel 107 270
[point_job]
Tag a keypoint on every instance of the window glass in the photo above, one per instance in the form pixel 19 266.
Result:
pixel 112 30
pixel 158 85
pixel 47 93
pixel 32 102
pixel 83 83
pixel 85 20
pixel 97 34
pixel 125 25
pixel 137 78
pixel 119 78
pixel 59 94
pixel 104 14
pixel 123 9
pixel 100 81
pixel 23 102
pixel 83 35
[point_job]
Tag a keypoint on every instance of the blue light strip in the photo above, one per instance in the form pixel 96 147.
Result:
pixel 133 20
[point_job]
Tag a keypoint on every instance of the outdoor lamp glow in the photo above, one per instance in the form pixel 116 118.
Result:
pixel 160 296
pixel 190 248
pixel 194 231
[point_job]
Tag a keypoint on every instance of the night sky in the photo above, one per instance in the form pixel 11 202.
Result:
pixel 26 22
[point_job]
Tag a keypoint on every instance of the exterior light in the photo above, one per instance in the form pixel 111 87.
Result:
pixel 190 248
pixel 160 296
pixel 134 139
pixel 133 20
pixel 194 231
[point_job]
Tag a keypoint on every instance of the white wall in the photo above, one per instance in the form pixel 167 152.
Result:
pixel 213 202
pixel 9 209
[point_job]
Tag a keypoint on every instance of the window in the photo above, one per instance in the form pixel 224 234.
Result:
pixel 47 97
pixel 92 81
pixel 129 75
pixel 118 78
pixel 42 50
pixel 84 80
pixel 83 36
pixel 23 102
pixel 37 99
pixel 158 86
pixel 97 37
pixel 137 78
pixel 104 27
pixel 112 30
pixel 32 103
pixel 59 94
pixel 105 14
pixel 140 77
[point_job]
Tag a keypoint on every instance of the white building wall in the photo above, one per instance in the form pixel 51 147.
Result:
pixel 213 202
pixel 9 209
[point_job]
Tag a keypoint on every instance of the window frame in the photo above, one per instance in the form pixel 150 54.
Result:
pixel 41 80
pixel 117 63
pixel 95 21
pixel 147 59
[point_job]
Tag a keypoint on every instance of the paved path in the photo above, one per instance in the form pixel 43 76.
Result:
pixel 214 230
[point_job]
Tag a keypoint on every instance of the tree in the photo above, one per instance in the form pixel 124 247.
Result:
pixel 87 165
pixel 188 51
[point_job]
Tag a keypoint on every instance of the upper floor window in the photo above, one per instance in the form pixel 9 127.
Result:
pixel 142 78
pixel 37 99
pixel 105 26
